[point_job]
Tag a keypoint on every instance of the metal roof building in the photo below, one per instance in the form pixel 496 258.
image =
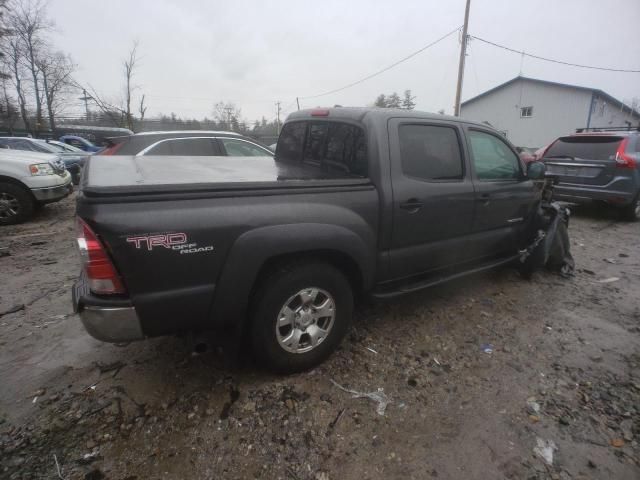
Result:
pixel 532 113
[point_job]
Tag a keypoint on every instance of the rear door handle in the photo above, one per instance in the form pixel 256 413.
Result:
pixel 412 205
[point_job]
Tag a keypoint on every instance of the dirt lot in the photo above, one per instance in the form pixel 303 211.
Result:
pixel 478 374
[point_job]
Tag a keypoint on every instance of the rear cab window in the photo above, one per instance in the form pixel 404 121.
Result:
pixel 335 147
pixel 591 147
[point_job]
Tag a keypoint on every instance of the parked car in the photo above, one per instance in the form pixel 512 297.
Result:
pixel 28 180
pixel 187 142
pixel 80 142
pixel 598 164
pixel 64 147
pixel 73 161
pixel 273 252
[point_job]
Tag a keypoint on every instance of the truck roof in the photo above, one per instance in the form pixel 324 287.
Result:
pixel 358 114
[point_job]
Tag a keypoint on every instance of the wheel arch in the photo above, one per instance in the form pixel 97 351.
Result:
pixel 18 183
pixel 258 251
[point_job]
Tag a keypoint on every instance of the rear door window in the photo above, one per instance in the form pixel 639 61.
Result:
pixel 291 142
pixel 492 157
pixel 240 148
pixel 430 152
pixel 588 147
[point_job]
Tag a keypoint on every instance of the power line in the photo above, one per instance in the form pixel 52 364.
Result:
pixel 522 52
pixel 384 69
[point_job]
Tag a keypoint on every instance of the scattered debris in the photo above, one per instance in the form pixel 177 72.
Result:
pixel 487 348
pixel 533 407
pixel 609 280
pixel 617 442
pixel 4 252
pixel 87 458
pixel 626 427
pixel 379 397
pixel 58 469
pixel 623 255
pixel 371 350
pixel 545 449
pixel 610 260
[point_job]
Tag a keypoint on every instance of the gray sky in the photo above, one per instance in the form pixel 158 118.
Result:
pixel 196 52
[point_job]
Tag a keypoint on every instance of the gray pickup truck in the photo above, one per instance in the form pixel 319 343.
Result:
pixel 274 252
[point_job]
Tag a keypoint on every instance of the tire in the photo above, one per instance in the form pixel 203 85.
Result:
pixel 16 204
pixel 631 212
pixel 303 288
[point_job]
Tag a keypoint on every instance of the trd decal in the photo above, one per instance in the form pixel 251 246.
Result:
pixel 166 241
pixel 171 241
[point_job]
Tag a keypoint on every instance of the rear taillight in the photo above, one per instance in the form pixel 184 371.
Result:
pixel 102 275
pixel 623 160
pixel 111 150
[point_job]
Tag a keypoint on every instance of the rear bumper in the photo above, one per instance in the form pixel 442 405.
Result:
pixel 579 193
pixel 53 194
pixel 109 320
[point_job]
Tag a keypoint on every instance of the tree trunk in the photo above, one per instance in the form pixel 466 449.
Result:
pixel 21 101
pixel 36 88
pixel 49 100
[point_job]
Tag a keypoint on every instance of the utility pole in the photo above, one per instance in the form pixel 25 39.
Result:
pixel 86 98
pixel 298 102
pixel 463 54
pixel 228 111
pixel 278 118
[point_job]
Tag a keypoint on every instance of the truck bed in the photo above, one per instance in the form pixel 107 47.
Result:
pixel 131 175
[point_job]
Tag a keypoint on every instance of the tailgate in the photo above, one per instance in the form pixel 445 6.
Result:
pixel 584 159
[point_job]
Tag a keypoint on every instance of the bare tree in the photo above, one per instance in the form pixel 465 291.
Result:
pixel 9 112
pixel 29 23
pixel 142 108
pixel 129 68
pixel 56 70
pixel 228 115
pixel 13 55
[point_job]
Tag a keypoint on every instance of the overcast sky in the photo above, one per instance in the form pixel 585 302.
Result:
pixel 194 53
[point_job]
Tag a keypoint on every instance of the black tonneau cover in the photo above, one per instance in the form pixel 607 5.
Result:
pixel 135 175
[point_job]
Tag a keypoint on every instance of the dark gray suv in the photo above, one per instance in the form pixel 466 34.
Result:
pixel 598 164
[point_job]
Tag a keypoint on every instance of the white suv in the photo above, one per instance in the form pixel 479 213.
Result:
pixel 27 180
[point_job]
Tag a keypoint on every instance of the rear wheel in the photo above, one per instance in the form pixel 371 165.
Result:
pixel 16 204
pixel 300 315
pixel 632 211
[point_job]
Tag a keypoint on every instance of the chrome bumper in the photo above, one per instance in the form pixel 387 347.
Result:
pixel 53 194
pixel 108 324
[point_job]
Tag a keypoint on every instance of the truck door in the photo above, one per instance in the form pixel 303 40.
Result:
pixel 505 198
pixel 433 197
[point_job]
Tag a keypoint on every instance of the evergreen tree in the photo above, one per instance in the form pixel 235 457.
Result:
pixel 393 101
pixel 381 101
pixel 408 101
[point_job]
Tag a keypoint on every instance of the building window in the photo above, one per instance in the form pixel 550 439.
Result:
pixel 526 112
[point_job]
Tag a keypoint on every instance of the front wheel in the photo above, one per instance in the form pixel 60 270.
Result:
pixel 16 204
pixel 300 314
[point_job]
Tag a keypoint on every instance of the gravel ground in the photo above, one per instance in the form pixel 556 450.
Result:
pixel 491 377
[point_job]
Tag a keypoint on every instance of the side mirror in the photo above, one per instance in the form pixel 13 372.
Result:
pixel 536 170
